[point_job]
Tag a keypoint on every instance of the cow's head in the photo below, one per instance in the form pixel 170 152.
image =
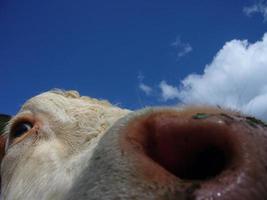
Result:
pixel 63 146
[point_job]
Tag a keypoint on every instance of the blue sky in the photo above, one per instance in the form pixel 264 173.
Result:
pixel 133 53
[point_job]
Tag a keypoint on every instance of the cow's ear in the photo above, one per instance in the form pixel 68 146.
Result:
pixel 3 122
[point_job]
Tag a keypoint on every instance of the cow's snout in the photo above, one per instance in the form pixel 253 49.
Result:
pixel 190 154
pixel 215 155
pixel 192 149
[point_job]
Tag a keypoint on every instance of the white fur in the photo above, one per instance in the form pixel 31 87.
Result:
pixel 67 127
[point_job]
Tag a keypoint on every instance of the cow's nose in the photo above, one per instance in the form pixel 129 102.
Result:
pixel 190 151
pixel 201 155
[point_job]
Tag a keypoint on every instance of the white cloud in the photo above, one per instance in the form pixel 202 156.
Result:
pixel 142 86
pixel 182 48
pixel 145 88
pixel 259 7
pixel 168 92
pixel 236 78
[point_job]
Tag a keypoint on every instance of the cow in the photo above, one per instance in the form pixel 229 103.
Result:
pixel 61 145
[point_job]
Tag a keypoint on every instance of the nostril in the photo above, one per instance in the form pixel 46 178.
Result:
pixel 190 151
pixel 203 164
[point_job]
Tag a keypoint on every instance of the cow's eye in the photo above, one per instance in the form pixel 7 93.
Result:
pixel 20 129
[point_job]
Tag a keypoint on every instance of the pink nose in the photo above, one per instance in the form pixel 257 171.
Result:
pixel 214 156
pixel 190 150
pixel 165 154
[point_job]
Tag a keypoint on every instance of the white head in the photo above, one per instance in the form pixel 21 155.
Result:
pixel 50 141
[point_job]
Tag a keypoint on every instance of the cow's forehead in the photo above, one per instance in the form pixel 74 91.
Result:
pixel 51 104
pixel 65 100
pixel 62 106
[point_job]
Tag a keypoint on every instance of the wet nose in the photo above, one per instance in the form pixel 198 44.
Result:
pixel 188 150
pixel 215 155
